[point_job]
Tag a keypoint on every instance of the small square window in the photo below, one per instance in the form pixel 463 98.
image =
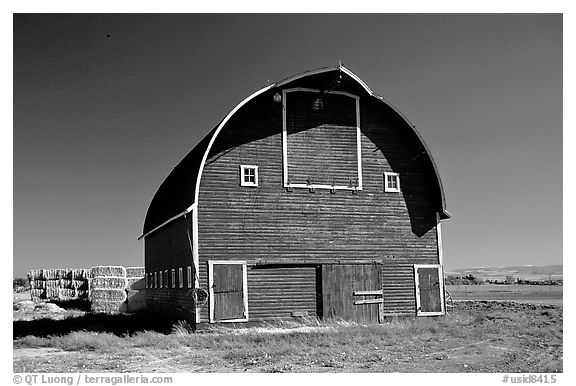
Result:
pixel 391 182
pixel 248 175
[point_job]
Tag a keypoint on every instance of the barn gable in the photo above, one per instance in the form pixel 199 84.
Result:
pixel 179 191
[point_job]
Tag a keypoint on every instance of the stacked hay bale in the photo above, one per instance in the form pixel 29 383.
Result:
pixel 135 290
pixel 107 288
pixel 59 284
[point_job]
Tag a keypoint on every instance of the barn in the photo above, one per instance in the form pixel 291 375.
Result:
pixel 313 197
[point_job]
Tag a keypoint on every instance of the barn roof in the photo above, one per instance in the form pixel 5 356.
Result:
pixel 179 191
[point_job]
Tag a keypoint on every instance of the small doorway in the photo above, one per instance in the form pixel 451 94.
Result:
pixel 228 289
pixel 429 285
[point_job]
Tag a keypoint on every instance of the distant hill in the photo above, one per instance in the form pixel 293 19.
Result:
pixel 525 272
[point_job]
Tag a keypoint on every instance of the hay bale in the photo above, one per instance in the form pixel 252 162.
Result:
pixel 38 284
pixel 52 292
pixel 83 294
pixel 108 270
pixel 80 284
pixel 35 274
pixel 135 283
pixel 67 294
pixel 107 295
pixel 65 283
pixel 48 274
pixel 108 283
pixel 80 274
pixel 106 307
pixel 51 283
pixel 37 294
pixel 135 272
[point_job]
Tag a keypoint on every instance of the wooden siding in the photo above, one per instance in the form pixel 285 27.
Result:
pixel 282 292
pixel 270 222
pixel 275 291
pixel 166 249
pixel 339 282
pixel 312 155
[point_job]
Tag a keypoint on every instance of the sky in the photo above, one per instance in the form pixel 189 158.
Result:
pixel 104 106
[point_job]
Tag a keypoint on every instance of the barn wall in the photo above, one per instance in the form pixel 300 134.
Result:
pixel 166 249
pixel 269 222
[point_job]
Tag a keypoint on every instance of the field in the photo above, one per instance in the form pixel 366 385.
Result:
pixel 541 294
pixel 476 336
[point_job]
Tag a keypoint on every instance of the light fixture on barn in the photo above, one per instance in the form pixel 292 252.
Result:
pixel 277 98
pixel 318 104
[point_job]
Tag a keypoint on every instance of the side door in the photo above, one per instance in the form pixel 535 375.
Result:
pixel 429 285
pixel 228 289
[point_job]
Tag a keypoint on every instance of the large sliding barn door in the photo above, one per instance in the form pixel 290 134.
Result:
pixel 228 291
pixel 429 290
pixel 352 292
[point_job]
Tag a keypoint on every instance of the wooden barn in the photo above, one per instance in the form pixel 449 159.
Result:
pixel 312 197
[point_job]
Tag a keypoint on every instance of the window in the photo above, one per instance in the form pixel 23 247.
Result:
pixel 173 278
pixel 248 175
pixel 166 284
pixel 180 278
pixel 391 182
pixel 160 279
pixel 189 276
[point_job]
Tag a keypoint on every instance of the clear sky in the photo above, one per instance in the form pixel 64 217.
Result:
pixel 106 105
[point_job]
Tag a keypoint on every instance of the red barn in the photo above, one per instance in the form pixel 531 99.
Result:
pixel 312 197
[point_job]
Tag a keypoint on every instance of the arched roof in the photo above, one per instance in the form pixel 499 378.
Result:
pixel 179 191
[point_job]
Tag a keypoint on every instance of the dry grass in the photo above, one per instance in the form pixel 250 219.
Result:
pixel 478 337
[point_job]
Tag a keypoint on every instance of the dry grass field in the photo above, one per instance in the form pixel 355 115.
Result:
pixel 541 294
pixel 481 336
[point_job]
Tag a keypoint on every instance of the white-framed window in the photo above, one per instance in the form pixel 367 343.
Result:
pixel 166 284
pixel 160 279
pixel 391 182
pixel 173 278
pixel 248 175
pixel 180 278
pixel 189 276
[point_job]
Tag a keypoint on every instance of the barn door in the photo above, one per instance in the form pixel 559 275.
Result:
pixel 352 292
pixel 429 290
pixel 227 282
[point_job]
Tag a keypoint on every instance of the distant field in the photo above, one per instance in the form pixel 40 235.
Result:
pixel 540 294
